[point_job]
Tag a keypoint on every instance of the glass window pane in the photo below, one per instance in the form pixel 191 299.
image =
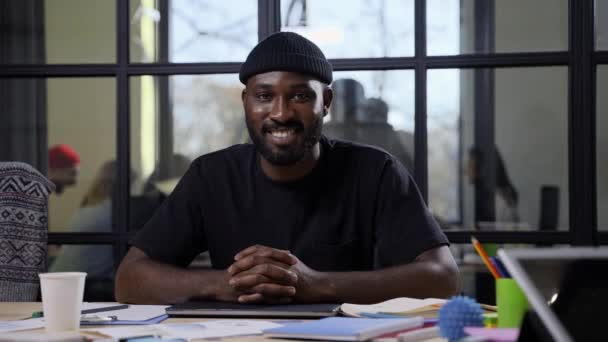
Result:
pixel 602 148
pixel 175 119
pixel 192 31
pixel 348 29
pixel 498 148
pixel 468 26
pixel 375 108
pixel 58 31
pixel 96 260
pixel 443 129
pixel 81 118
pixel 601 24
pixel 66 128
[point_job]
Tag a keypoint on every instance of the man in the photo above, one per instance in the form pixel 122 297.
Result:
pixel 293 217
pixel 64 166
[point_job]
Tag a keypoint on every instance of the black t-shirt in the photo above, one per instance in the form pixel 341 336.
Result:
pixel 358 209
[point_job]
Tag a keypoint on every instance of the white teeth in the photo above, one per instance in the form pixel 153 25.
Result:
pixel 281 134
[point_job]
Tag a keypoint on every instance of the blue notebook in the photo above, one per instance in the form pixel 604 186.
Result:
pixel 344 328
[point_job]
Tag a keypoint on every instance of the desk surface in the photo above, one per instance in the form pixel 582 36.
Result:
pixel 14 311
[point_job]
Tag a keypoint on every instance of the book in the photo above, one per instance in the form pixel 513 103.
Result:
pixel 493 334
pixel 403 306
pixel 411 335
pixel 344 328
pixel 37 336
pixel 393 306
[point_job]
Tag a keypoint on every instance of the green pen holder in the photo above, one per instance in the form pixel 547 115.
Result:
pixel 511 302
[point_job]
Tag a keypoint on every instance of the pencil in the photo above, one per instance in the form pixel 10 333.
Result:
pixel 484 257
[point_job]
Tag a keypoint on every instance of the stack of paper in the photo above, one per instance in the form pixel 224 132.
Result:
pixel 404 306
pixel 190 331
pixel 401 306
pixel 26 324
pixel 37 336
pixel 493 334
pixel 344 328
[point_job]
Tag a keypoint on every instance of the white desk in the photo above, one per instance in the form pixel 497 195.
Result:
pixel 14 311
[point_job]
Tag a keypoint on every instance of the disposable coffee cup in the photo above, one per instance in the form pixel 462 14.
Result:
pixel 62 294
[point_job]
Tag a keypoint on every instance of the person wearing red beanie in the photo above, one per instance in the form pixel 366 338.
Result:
pixel 64 166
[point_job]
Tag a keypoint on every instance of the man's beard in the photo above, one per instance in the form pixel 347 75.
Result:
pixel 286 155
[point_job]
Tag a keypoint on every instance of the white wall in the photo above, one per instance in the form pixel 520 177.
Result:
pixel 539 25
pixel 531 132
pixel 601 24
pixel 80 31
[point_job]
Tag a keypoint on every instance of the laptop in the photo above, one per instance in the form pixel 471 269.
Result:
pixel 223 309
pixel 567 288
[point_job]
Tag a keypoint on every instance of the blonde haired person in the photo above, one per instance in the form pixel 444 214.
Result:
pixel 94 215
pixel 103 186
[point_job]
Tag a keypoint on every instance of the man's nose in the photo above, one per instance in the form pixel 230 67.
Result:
pixel 281 110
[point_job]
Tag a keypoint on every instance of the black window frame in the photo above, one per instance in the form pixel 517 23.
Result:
pixel 580 58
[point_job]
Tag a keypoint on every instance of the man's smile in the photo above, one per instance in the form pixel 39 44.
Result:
pixel 281 136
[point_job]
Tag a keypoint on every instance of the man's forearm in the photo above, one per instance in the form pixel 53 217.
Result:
pixel 413 280
pixel 145 281
pixel 420 279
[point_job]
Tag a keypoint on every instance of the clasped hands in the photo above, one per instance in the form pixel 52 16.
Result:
pixel 264 274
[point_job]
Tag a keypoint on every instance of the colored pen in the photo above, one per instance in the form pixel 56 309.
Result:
pixel 493 262
pixel 502 270
pixel 484 257
pixel 37 314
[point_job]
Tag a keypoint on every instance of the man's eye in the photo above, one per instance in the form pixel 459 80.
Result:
pixel 301 97
pixel 263 97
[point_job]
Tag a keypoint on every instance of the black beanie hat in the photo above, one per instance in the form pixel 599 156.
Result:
pixel 286 51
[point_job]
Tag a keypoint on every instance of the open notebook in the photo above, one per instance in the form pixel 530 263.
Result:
pixel 403 306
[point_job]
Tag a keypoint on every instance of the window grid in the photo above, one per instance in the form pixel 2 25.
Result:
pixel 580 58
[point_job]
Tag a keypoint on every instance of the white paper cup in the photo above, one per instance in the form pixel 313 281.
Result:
pixel 62 299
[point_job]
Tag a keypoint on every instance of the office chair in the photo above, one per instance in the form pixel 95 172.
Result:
pixel 24 196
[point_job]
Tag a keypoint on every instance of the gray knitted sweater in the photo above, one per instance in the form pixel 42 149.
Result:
pixel 24 196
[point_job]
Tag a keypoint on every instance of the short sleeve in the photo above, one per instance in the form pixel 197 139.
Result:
pixel 405 227
pixel 175 234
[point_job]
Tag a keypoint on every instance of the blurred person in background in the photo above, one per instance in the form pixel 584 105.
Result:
pixel 505 195
pixel 348 96
pixel 64 167
pixel 373 128
pixel 93 216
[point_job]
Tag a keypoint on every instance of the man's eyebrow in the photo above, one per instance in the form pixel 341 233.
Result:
pixel 301 86
pixel 262 86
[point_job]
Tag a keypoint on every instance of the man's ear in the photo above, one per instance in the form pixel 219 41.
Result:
pixel 243 95
pixel 328 95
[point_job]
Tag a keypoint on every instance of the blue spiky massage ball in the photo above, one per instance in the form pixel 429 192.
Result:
pixel 457 313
